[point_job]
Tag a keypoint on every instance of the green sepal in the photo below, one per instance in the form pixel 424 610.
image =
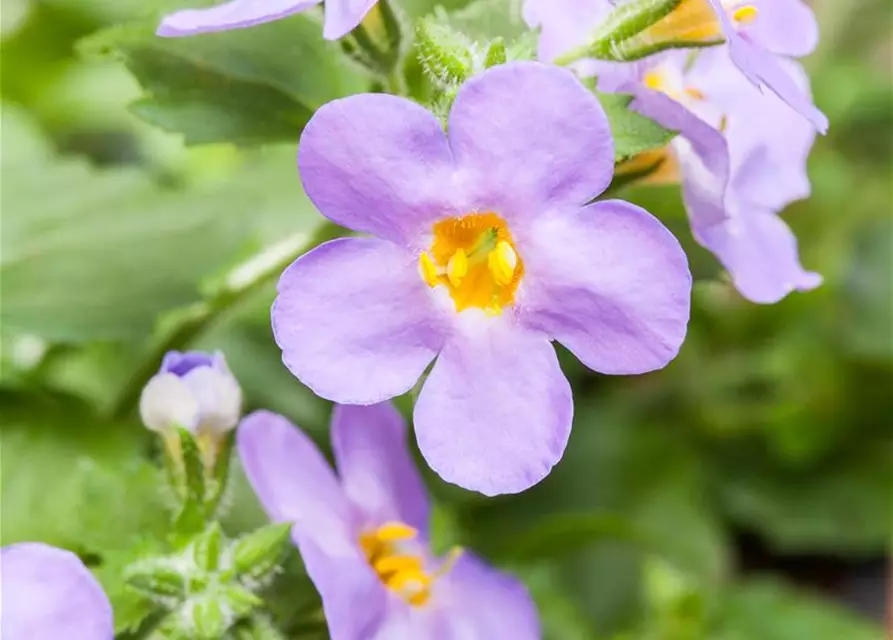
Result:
pixel 256 554
pixel 209 618
pixel 156 578
pixel 496 53
pixel 192 515
pixel 206 548
pixel 220 475
pixel 239 599
pixel 445 54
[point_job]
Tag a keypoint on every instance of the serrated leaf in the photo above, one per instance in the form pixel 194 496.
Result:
pixel 633 133
pixel 246 86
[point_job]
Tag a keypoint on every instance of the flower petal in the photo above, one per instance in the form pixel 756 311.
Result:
pixel 166 402
pixel 219 398
pixel 376 468
pixel 760 253
pixel 343 16
pixel 783 27
pixel 355 322
pixel 379 164
pixel 236 14
pixel 530 138
pixel 180 363
pixel 354 600
pixel 764 69
pixel 495 413
pixel 701 151
pixel 610 283
pixel 294 483
pixel 564 24
pixel 490 604
pixel 48 593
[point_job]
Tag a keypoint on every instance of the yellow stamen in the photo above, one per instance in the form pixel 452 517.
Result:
pixel 389 552
pixel 475 258
pixel 502 262
pixel 654 81
pixel 397 564
pixel 392 531
pixel 746 14
pixel 457 267
pixel 653 167
pixel 427 270
pixel 697 94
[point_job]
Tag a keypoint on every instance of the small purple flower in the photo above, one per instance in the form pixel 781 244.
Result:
pixel 193 390
pixel 47 594
pixel 363 534
pixel 755 32
pixel 741 158
pixel 341 16
pixel 486 248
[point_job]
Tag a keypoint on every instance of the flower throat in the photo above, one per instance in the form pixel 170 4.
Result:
pixel 474 257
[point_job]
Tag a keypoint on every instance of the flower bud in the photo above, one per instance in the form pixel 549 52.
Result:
pixel 193 390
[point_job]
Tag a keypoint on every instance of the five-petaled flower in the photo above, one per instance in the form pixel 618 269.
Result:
pixel 363 534
pixel 487 246
pixel 49 594
pixel 341 16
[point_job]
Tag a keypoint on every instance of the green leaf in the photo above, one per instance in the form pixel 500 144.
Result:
pixel 72 480
pixel 496 53
pixel 97 255
pixel 259 552
pixel 770 610
pixel 239 600
pixel 245 86
pixel 840 507
pixel 633 133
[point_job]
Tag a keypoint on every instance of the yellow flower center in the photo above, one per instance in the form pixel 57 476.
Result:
pixel 655 167
pixel 399 569
pixel 475 258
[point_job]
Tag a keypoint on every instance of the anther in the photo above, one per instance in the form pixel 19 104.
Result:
pixel 457 267
pixel 745 15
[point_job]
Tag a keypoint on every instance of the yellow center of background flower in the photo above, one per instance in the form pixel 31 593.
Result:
pixel 475 258
pixel 398 569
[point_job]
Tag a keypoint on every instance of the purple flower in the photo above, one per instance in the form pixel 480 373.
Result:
pixel 193 390
pixel 485 251
pixel 754 32
pixel 48 593
pixel 341 16
pixel 363 534
pixel 741 158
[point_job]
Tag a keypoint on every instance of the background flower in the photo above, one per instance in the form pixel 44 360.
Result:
pixel 364 536
pixel 48 593
pixel 341 16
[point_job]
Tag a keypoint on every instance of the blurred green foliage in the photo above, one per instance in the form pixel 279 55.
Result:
pixel 774 421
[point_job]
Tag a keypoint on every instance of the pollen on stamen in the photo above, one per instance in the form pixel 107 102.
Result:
pixel 427 270
pixel 746 14
pixel 457 267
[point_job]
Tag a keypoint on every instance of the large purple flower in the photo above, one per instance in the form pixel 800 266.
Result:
pixel 486 249
pixel 47 594
pixel 341 16
pixel 756 32
pixel 363 534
